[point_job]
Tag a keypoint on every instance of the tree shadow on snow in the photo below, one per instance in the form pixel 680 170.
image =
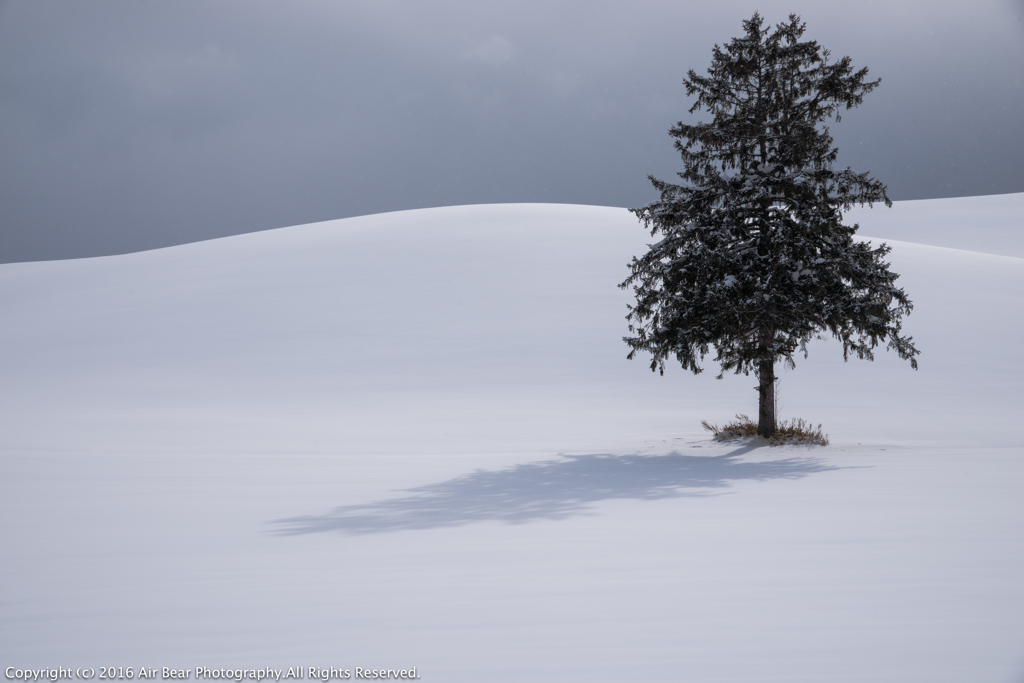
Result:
pixel 549 490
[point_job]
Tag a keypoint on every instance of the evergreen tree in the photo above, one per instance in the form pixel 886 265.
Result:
pixel 754 259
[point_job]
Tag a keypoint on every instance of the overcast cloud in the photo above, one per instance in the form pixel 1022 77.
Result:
pixel 128 125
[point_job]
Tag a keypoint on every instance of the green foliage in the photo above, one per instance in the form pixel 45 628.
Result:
pixel 754 259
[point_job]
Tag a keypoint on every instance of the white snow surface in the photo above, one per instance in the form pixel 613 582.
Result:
pixel 413 439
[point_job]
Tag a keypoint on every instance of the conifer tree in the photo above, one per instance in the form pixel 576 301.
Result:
pixel 754 259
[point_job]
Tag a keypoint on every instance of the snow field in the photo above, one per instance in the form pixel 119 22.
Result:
pixel 413 439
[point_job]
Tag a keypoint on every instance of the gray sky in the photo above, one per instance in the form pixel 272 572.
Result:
pixel 128 125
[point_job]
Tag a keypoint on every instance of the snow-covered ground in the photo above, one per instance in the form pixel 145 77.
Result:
pixel 413 439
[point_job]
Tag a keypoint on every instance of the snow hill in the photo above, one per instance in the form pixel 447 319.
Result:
pixel 413 439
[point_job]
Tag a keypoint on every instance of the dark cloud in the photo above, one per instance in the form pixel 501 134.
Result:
pixel 130 125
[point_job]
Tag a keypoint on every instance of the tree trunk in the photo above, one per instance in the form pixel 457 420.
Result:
pixel 766 398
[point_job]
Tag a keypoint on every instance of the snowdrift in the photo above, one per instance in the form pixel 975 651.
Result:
pixel 413 439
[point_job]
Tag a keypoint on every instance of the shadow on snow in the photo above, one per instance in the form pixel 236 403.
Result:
pixel 549 490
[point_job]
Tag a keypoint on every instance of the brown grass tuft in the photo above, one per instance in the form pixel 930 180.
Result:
pixel 795 431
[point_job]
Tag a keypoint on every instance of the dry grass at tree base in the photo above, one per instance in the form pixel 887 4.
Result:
pixel 795 431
